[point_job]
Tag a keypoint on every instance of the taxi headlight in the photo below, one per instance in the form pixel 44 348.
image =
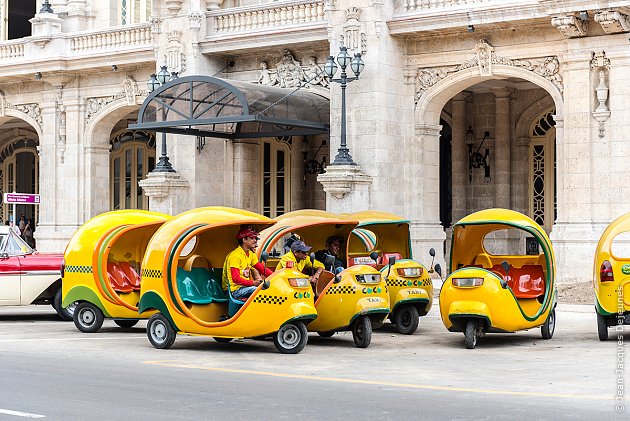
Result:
pixel 368 278
pixel 298 282
pixel 467 282
pixel 410 272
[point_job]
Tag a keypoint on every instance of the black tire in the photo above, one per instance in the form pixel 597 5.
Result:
pixel 470 334
pixel 87 317
pixel 64 313
pixel 602 327
pixel 291 338
pixel 160 332
pixel 362 332
pixel 126 323
pixel 549 326
pixel 326 334
pixel 222 340
pixel 407 319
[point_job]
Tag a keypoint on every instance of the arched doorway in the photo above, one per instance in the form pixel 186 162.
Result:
pixel 132 157
pixel 19 171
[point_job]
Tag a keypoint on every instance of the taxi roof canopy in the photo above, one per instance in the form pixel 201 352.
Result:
pixel 380 230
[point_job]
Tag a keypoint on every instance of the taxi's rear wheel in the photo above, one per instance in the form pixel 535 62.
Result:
pixel 291 338
pixel 471 334
pixel 602 327
pixel 549 327
pixel 362 332
pixel 67 313
pixel 88 318
pixel 160 332
pixel 126 323
pixel 407 319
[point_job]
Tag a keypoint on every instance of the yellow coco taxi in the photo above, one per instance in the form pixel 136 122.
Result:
pixel 611 276
pixel 182 277
pixel 409 282
pixel 493 289
pixel 102 267
pixel 355 298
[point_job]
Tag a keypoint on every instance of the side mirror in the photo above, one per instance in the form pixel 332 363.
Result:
pixel 374 256
pixel 312 256
pixel 265 284
pixel 4 255
pixel 330 261
pixel 264 256
pixel 438 269
pixel 432 252
pixel 506 266
pixel 392 260
pixel 338 270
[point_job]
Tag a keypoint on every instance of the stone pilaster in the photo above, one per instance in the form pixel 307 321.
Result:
pixel 459 158
pixel 502 149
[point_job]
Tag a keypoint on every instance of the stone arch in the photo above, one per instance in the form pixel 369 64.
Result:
pixel 524 121
pixel 13 113
pixel 432 101
pixel 103 121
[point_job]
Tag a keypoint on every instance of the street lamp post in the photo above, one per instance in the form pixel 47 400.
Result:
pixel 344 59
pixel 155 82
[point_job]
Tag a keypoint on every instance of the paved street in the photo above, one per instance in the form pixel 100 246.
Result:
pixel 49 369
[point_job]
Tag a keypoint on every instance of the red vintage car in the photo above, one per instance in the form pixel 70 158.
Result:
pixel 28 277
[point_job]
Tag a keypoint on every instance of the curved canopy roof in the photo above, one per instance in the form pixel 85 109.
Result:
pixel 207 106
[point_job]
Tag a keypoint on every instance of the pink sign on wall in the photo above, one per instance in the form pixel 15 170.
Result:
pixel 22 198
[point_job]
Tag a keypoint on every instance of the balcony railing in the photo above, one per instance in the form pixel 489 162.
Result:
pixel 12 50
pixel 429 5
pixel 252 18
pixel 112 39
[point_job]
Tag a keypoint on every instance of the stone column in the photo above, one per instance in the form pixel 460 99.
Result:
pixel 246 175
pixel 459 158
pixel 422 191
pixel 502 149
pixel 167 192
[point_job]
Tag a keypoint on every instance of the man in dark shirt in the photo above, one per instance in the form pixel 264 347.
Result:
pixel 333 248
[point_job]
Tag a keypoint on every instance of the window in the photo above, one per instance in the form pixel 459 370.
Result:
pixel 542 188
pixel 134 11
pixel 19 172
pixel 132 158
pixel 275 177
pixel 15 18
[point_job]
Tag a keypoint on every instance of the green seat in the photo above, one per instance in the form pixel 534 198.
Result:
pixel 199 286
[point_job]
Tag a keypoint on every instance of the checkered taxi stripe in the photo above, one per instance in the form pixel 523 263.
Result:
pixel 151 273
pixel 78 269
pixel 270 299
pixel 342 289
pixel 406 283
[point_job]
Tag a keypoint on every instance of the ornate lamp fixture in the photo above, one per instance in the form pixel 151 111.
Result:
pixel 162 77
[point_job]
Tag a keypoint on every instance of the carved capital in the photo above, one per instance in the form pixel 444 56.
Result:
pixel 570 25
pixel 613 21
pixel 600 60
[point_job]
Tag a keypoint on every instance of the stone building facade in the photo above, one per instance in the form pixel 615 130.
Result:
pixel 542 86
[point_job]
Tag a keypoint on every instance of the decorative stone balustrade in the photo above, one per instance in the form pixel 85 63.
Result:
pixel 112 39
pixel 270 15
pixel 430 5
pixel 12 50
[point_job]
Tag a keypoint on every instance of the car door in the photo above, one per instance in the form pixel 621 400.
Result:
pixel 10 271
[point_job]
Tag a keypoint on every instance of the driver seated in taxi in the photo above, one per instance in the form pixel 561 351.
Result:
pixel 299 259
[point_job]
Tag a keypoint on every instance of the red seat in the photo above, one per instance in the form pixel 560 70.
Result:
pixel 117 278
pixel 132 275
pixel 527 281
pixel 383 259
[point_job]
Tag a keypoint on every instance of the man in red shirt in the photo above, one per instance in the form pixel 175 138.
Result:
pixel 242 270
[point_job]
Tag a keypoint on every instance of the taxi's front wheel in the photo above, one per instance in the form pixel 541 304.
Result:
pixel 291 338
pixel 362 332
pixel 160 332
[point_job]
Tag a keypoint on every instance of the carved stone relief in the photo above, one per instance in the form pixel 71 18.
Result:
pixel 60 111
pixel 290 73
pixel 570 25
pixel 613 21
pixel 129 91
pixel 485 58
pixel 600 66
pixel 353 36
pixel 175 57
pixel 31 109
